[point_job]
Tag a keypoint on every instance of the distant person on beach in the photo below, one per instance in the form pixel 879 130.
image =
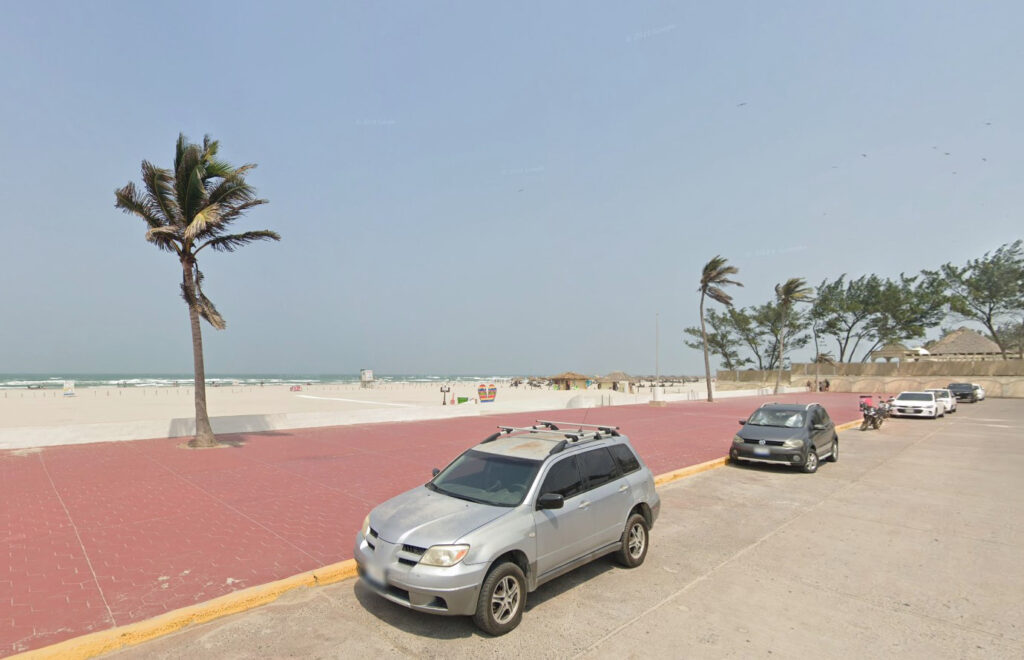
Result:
pixel 827 385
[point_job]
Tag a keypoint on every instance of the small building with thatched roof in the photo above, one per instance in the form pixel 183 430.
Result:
pixel 616 380
pixel 965 344
pixel 890 352
pixel 570 380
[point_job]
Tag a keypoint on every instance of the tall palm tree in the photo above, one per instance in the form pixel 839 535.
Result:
pixel 793 291
pixel 714 276
pixel 188 209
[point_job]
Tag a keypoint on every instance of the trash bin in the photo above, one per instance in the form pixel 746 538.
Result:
pixel 462 399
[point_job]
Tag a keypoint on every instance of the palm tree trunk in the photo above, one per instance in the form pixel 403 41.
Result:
pixel 782 351
pixel 707 363
pixel 204 432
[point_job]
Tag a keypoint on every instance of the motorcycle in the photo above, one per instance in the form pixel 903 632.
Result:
pixel 874 415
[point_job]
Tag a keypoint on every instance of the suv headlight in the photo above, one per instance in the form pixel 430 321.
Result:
pixel 737 440
pixel 444 555
pixel 365 530
pixel 793 443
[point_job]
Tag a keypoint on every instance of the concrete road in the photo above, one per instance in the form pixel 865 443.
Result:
pixel 909 546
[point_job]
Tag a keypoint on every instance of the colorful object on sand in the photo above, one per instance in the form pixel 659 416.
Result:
pixel 486 393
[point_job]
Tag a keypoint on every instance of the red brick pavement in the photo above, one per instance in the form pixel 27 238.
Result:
pixel 106 534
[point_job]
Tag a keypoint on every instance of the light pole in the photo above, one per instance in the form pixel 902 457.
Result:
pixel 444 394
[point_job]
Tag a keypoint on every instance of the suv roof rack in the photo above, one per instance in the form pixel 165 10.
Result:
pixel 603 428
pixel 561 437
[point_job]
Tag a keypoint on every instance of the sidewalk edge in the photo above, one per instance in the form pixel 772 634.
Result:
pixel 106 641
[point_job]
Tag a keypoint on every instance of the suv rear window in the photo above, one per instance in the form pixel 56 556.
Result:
pixel 598 467
pixel 625 458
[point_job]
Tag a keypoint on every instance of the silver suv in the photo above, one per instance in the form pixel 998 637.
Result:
pixel 523 507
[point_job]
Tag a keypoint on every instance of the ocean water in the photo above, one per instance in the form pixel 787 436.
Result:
pixel 56 380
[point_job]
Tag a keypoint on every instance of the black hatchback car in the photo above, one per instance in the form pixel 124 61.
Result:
pixel 963 392
pixel 787 433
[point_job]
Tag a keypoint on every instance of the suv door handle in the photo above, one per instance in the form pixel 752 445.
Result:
pixel 583 505
pixel 623 488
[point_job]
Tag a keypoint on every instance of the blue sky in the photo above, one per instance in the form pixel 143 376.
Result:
pixel 490 188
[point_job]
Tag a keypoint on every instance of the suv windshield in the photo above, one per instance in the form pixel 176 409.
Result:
pixel 775 417
pixel 916 396
pixel 487 478
pixel 960 386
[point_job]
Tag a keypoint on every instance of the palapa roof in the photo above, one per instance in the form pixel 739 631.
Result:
pixel 618 375
pixel 570 375
pixel 964 342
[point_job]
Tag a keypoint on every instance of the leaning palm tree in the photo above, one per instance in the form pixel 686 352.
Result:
pixel 714 276
pixel 786 295
pixel 188 209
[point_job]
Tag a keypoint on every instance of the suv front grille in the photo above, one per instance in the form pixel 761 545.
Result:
pixel 771 443
pixel 413 550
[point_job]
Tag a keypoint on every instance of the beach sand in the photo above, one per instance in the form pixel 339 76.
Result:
pixel 33 408
pixel 36 418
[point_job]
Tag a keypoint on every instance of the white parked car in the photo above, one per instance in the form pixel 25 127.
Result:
pixel 946 398
pixel 979 390
pixel 917 404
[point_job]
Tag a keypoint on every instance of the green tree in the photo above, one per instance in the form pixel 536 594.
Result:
pixel 989 289
pixel 771 325
pixel 186 210
pixel 906 309
pixel 1012 333
pixel 792 291
pixel 715 275
pixel 843 309
pixel 721 340
pixel 749 324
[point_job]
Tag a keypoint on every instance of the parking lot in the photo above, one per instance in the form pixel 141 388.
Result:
pixel 909 546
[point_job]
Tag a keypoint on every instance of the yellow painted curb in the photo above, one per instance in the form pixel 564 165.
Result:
pixel 105 641
pixel 682 473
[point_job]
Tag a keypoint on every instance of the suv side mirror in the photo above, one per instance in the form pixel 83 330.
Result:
pixel 550 501
pixel 742 422
pixel 435 472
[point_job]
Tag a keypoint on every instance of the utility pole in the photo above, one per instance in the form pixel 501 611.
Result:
pixel 657 341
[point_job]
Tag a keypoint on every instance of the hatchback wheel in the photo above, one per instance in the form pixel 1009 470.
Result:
pixel 502 599
pixel 635 540
pixel 811 462
pixel 835 451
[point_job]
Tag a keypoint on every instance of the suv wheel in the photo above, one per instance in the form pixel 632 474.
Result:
pixel 811 462
pixel 502 599
pixel 835 451
pixel 635 540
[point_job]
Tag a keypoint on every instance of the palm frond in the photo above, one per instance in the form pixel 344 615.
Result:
pixel 232 191
pixel 234 241
pixel 714 276
pixel 160 186
pixel 195 194
pixel 718 295
pixel 208 216
pixel 228 216
pixel 217 169
pixel 210 313
pixel 185 173
pixel 128 200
